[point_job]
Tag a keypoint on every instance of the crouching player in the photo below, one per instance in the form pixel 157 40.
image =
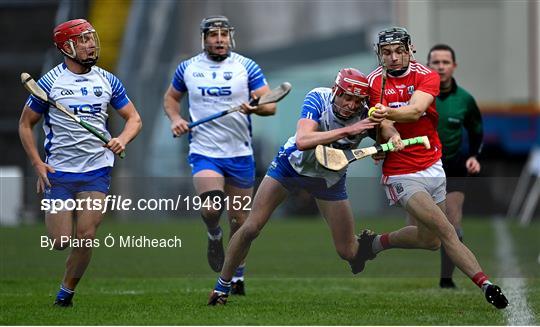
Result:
pixel 77 164
pixel 336 116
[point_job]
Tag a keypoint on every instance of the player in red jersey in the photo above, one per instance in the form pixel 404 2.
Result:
pixel 414 177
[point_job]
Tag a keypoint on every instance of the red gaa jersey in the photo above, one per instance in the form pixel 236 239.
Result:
pixel 398 92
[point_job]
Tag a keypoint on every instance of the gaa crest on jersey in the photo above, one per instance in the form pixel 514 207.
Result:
pixel 98 91
pixel 410 89
pixel 227 75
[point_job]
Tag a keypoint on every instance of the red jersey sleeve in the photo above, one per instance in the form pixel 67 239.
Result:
pixel 430 83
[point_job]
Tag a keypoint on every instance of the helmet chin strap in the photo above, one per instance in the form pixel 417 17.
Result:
pixel 398 72
pixel 217 57
pixel 88 63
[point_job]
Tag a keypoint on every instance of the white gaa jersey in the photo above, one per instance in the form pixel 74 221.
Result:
pixel 68 146
pixel 317 106
pixel 213 87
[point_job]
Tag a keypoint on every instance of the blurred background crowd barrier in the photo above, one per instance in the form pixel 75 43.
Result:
pixel 305 43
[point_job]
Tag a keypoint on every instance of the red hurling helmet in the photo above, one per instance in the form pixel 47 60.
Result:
pixel 73 31
pixel 352 82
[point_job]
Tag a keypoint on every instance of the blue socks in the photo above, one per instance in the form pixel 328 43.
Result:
pixel 64 294
pixel 222 286
pixel 239 273
pixel 215 233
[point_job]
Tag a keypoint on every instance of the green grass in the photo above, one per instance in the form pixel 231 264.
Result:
pixel 294 277
pixel 527 244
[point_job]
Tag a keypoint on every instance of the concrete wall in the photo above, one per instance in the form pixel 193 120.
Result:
pixel 269 24
pixel 491 40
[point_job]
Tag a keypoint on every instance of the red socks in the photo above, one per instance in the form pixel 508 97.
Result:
pixel 479 279
pixel 385 241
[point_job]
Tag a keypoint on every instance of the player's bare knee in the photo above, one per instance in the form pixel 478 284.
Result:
pixel 86 234
pixel 212 205
pixel 211 214
pixel 433 244
pixel 60 243
pixel 430 240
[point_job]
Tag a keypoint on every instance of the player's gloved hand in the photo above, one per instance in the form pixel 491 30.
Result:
pixel 116 145
pixel 246 108
pixel 179 126
pixel 42 169
pixel 472 165
pixel 360 126
pixel 397 142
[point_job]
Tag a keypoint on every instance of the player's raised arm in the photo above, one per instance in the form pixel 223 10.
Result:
pixel 308 136
pixel 418 104
pixel 348 100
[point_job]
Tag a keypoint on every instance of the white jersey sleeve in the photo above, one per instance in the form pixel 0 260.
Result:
pixel 213 87
pixel 317 106
pixel 68 146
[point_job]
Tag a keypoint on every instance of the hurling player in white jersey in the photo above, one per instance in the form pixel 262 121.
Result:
pixel 77 165
pixel 414 178
pixel 220 154
pixel 336 116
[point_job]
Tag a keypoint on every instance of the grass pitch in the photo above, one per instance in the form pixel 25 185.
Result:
pixel 293 277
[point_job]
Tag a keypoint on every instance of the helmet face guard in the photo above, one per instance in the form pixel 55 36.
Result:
pixel 74 33
pixel 217 24
pixel 352 86
pixel 394 36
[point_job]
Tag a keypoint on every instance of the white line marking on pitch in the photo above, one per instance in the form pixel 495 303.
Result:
pixel 512 281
